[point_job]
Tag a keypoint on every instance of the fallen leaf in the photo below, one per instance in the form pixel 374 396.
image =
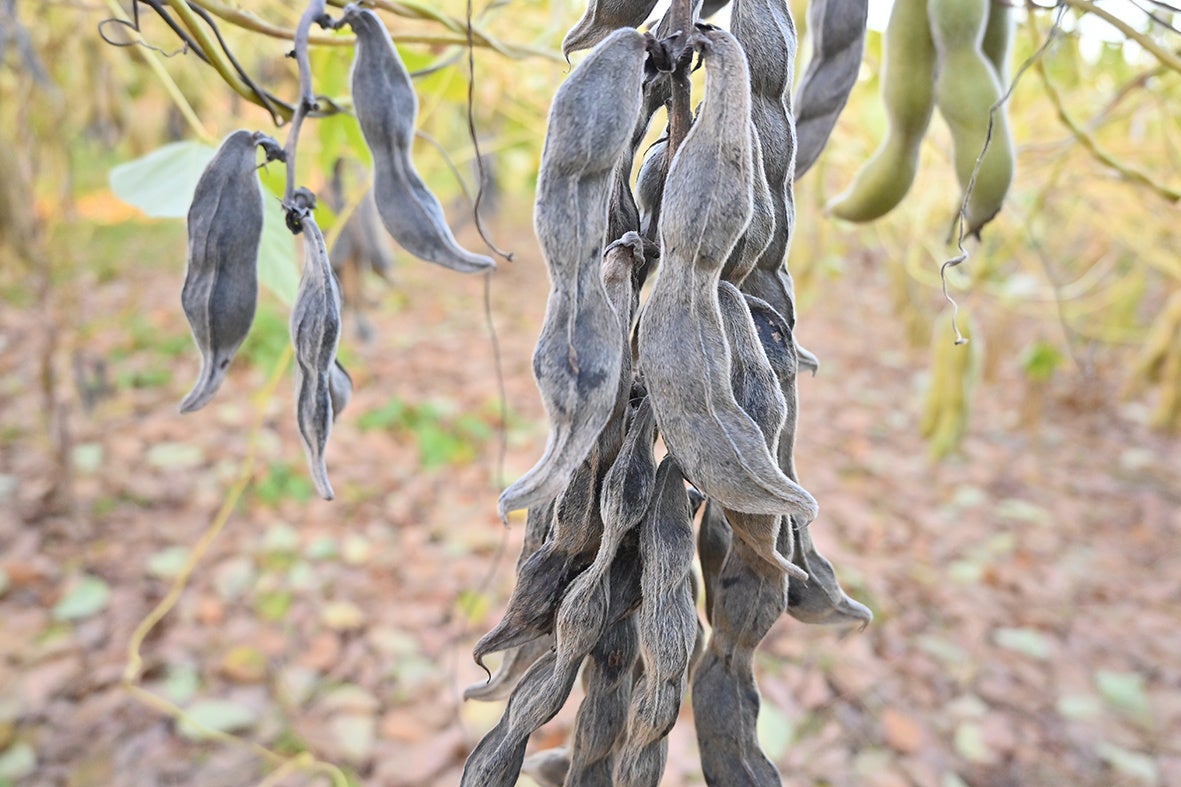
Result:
pixel 218 716
pixel 87 596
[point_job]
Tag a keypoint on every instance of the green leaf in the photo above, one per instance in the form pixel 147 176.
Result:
pixel 168 562
pixel 18 762
pixel 1124 691
pixel 216 715
pixel 88 596
pixel 181 683
pixel 1028 641
pixel 969 742
pixel 277 270
pixel 1131 764
pixel 161 183
pixel 1078 706
pixel 1040 360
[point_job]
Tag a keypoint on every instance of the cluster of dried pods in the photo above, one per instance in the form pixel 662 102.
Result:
pixel 225 224
pixel 707 363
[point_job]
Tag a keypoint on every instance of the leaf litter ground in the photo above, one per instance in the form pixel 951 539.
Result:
pixel 1026 590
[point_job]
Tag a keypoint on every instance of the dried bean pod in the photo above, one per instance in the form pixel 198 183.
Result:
pixel 362 241
pixel 221 276
pixel 713 544
pixel 583 616
pixel 760 232
pixel 757 391
pixel 650 181
pixel 315 332
pixel 776 288
pixel 545 576
pixel 838 43
pixel 749 597
pixel 711 7
pixel 577 361
pixel 516 662
pixel 908 91
pixel 518 659
pixel 602 18
pixel 387 109
pixel 340 388
pixel 767 33
pixel 684 359
pixel 602 716
pixel 667 621
pixel 624 264
pixel 548 768
pixel 821 599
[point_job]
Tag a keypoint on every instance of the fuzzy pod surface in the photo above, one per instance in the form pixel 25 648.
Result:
pixel 579 355
pixel 387 109
pixel 315 333
pixel 838 36
pixel 220 291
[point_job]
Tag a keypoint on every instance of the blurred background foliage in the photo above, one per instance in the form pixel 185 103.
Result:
pixel 1080 272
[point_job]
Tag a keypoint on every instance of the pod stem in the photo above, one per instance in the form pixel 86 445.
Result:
pixel 307 98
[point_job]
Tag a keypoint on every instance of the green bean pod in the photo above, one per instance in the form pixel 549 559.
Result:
pixel 908 91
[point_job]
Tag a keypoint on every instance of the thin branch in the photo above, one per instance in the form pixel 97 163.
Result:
pixel 1127 171
pixel 680 114
pixel 415 10
pixel 471 127
pixel 1166 57
pixel 307 98
pixel 961 218
pixel 217 59
pixel 267 100
pixel 170 86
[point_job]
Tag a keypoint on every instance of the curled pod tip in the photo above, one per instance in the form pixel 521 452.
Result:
pixel 220 291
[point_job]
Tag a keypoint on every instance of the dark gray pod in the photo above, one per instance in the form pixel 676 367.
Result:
pixel 387 108
pixel 684 358
pixel 221 277
pixel 578 358
pixel 838 44
pixel 315 332
pixel 602 18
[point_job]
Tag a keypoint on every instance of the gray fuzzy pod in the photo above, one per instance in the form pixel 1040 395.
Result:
pixel 220 291
pixel 838 44
pixel 387 109
pixel 315 332
pixel 684 356
pixel 579 355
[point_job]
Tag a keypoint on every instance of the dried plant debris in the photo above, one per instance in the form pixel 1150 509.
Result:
pixel 578 358
pixel 838 43
pixel 221 277
pixel 387 109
